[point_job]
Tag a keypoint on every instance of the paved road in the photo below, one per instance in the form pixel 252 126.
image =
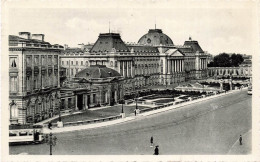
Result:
pixel 209 127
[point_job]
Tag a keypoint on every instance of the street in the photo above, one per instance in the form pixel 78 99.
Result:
pixel 209 127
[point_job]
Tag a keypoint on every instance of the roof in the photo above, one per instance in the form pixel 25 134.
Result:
pixel 194 46
pixel 97 71
pixel 14 40
pixel 150 49
pixel 174 52
pixel 155 37
pixel 73 50
pixel 109 42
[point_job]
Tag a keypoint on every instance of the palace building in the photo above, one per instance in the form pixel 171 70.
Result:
pixel 152 62
pixel 33 78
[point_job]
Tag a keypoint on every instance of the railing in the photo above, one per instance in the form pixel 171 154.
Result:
pixel 177 102
pixel 92 121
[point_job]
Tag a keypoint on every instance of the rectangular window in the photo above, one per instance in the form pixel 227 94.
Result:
pixel 49 60
pixel 13 62
pixel 55 60
pixel 67 62
pixel 94 98
pixel 62 104
pixel 77 70
pixel 76 62
pixel 28 85
pixel 72 72
pixel 81 62
pixel 71 62
pixel 35 83
pixel 28 61
pixel 36 60
pixel 69 103
pixel 13 84
pixel 62 62
pixel 43 60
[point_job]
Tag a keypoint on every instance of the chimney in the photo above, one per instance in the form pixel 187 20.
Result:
pixel 82 46
pixel 65 46
pixel 38 37
pixel 25 35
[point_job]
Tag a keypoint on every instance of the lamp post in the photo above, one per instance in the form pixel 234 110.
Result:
pixel 122 101
pixel 122 108
pixel 59 123
pixel 50 139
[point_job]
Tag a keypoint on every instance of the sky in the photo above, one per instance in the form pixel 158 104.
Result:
pixel 217 27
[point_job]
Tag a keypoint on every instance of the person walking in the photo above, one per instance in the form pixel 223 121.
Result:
pixel 49 125
pixel 135 112
pixel 151 141
pixel 240 140
pixel 156 150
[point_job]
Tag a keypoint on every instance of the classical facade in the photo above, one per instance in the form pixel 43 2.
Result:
pixel 154 60
pixel 93 86
pixel 33 78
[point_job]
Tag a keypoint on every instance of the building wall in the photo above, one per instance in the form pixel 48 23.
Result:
pixel 33 82
pixel 140 69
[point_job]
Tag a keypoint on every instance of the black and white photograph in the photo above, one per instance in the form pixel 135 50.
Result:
pixel 149 80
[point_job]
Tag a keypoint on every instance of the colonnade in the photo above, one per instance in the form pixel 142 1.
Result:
pixel 126 69
pixel 203 63
pixel 175 65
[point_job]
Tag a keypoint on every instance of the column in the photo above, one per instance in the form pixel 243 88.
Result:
pixel 175 65
pixel 132 70
pixel 178 65
pixel 123 67
pixel 172 69
pixel 181 65
pixel 169 67
pixel 76 102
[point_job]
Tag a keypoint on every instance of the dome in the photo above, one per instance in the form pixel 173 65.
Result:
pixel 155 37
pixel 97 71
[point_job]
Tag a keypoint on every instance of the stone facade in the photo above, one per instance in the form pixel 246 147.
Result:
pixel 33 78
pixel 157 62
pixel 94 86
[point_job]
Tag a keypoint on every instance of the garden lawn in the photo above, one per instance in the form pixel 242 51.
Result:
pixel 166 100
pixel 97 114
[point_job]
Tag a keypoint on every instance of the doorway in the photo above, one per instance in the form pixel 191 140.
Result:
pixel 80 102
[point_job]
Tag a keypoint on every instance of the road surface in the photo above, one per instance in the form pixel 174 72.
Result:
pixel 209 127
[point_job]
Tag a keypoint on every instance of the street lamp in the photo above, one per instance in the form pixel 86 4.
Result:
pixel 122 102
pixel 59 109
pixel 50 139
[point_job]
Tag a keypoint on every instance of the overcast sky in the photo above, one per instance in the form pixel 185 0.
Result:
pixel 218 28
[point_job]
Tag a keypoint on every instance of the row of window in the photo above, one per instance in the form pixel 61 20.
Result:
pixel 87 63
pixel 43 60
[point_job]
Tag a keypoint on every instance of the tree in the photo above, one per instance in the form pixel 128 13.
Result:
pixel 236 59
pixel 222 60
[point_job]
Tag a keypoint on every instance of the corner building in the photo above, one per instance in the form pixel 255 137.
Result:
pixel 33 78
pixel 153 61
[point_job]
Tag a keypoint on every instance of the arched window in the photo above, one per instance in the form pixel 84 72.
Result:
pixel 36 106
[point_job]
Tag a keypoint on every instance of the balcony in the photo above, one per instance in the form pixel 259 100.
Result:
pixel 28 71
pixel 36 70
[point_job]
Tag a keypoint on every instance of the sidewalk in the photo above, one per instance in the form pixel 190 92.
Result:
pixel 238 149
pixel 108 123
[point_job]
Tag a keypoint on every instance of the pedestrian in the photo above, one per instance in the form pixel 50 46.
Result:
pixel 151 141
pixel 135 112
pixel 156 150
pixel 240 140
pixel 49 125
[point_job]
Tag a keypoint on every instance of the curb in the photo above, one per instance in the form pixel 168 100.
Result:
pixel 118 121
